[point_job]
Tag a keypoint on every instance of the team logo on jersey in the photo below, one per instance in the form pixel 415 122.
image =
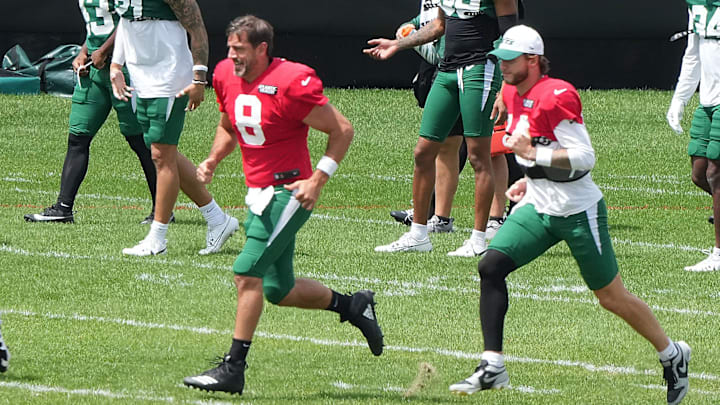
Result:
pixel 541 140
pixel 527 103
pixel 267 89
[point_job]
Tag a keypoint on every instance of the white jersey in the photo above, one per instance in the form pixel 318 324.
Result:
pixel 156 54
pixel 700 65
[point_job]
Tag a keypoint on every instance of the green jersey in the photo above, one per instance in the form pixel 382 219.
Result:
pixel 144 10
pixel 704 18
pixel 100 21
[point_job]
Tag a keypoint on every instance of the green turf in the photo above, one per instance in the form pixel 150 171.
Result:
pixel 87 325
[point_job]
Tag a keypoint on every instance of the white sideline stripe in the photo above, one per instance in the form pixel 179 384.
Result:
pixel 96 392
pixel 613 369
pixel 651 191
pixel 347 386
pixel 407 286
pixel 693 390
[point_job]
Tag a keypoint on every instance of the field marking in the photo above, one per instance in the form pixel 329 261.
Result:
pixel 400 287
pixel 609 368
pixel 664 388
pixel 347 386
pixel 96 392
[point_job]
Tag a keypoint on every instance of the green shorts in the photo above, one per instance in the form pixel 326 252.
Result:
pixel 526 234
pixel 705 133
pixel 270 245
pixel 472 97
pixel 92 100
pixel 161 119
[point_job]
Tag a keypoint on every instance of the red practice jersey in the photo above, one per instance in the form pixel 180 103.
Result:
pixel 543 107
pixel 268 115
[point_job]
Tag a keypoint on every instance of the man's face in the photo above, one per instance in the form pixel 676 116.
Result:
pixel 515 71
pixel 243 54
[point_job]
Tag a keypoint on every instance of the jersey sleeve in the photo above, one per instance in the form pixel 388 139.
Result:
pixel 565 106
pixel 304 92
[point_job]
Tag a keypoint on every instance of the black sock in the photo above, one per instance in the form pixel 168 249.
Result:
pixel 137 144
pixel 339 303
pixel 495 218
pixel 74 169
pixel 446 219
pixel 239 349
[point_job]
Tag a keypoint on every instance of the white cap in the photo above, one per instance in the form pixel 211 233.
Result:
pixel 519 40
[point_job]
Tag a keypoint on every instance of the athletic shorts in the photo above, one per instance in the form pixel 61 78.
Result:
pixel 92 100
pixel 705 133
pixel 270 246
pixel 469 91
pixel 497 144
pixel 526 234
pixel 421 87
pixel 161 119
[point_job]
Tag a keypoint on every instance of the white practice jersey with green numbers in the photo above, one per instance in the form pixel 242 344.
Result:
pixel 466 9
pixel 136 9
pixel 100 21
pixel 701 62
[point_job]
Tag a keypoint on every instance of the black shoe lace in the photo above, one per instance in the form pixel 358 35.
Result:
pixel 669 376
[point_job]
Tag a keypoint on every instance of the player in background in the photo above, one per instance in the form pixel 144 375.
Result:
pixel 557 201
pixel 4 354
pixel 267 105
pixel 168 80
pixel 466 83
pixel 92 101
pixel 701 65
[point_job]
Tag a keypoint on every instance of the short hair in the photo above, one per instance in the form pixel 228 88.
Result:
pixel 256 29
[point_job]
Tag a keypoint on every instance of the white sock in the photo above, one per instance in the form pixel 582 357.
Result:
pixel 418 231
pixel 213 214
pixel 158 230
pixel 494 359
pixel 669 352
pixel 477 236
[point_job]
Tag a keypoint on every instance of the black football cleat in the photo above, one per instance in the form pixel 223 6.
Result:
pixel 361 314
pixel 54 213
pixel 4 356
pixel 675 373
pixel 405 217
pixel 228 376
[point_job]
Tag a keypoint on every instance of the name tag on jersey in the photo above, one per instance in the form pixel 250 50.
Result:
pixel 266 89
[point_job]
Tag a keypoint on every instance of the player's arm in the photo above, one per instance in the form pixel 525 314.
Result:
pixel 328 119
pixel 687 83
pixel 121 90
pixel 80 61
pixel 99 56
pixel 224 144
pixel 507 14
pixel 385 48
pixel 188 13
pixel 577 152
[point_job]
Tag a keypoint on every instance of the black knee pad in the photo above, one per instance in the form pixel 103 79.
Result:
pixel 495 265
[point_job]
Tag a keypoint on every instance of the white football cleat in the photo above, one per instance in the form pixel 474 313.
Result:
pixel 406 243
pixel 493 226
pixel 4 356
pixel 485 377
pixel 710 263
pixel 675 373
pixel 469 248
pixel 147 247
pixel 216 236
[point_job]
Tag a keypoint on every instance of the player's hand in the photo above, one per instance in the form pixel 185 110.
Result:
pixel 121 90
pixel 99 58
pixel 499 111
pixel 306 192
pixel 196 93
pixel 205 171
pixel 674 115
pixel 517 191
pixel 79 64
pixel 521 144
pixel 383 48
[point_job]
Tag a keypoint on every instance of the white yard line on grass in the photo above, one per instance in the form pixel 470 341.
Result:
pixel 96 392
pixel 389 287
pixel 611 369
pixel 693 390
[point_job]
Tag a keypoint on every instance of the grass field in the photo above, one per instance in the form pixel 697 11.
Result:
pixel 88 325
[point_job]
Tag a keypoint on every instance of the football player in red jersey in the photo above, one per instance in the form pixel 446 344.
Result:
pixel 267 106
pixel 556 201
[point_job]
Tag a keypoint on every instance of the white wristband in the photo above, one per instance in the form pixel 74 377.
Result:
pixel 201 68
pixel 543 156
pixel 327 165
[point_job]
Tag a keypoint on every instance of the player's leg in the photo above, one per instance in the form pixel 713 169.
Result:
pixel 440 113
pixel 90 108
pixel 704 150
pixel 507 252
pixel 587 236
pixel 480 84
pixel 446 181
pixel 500 172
